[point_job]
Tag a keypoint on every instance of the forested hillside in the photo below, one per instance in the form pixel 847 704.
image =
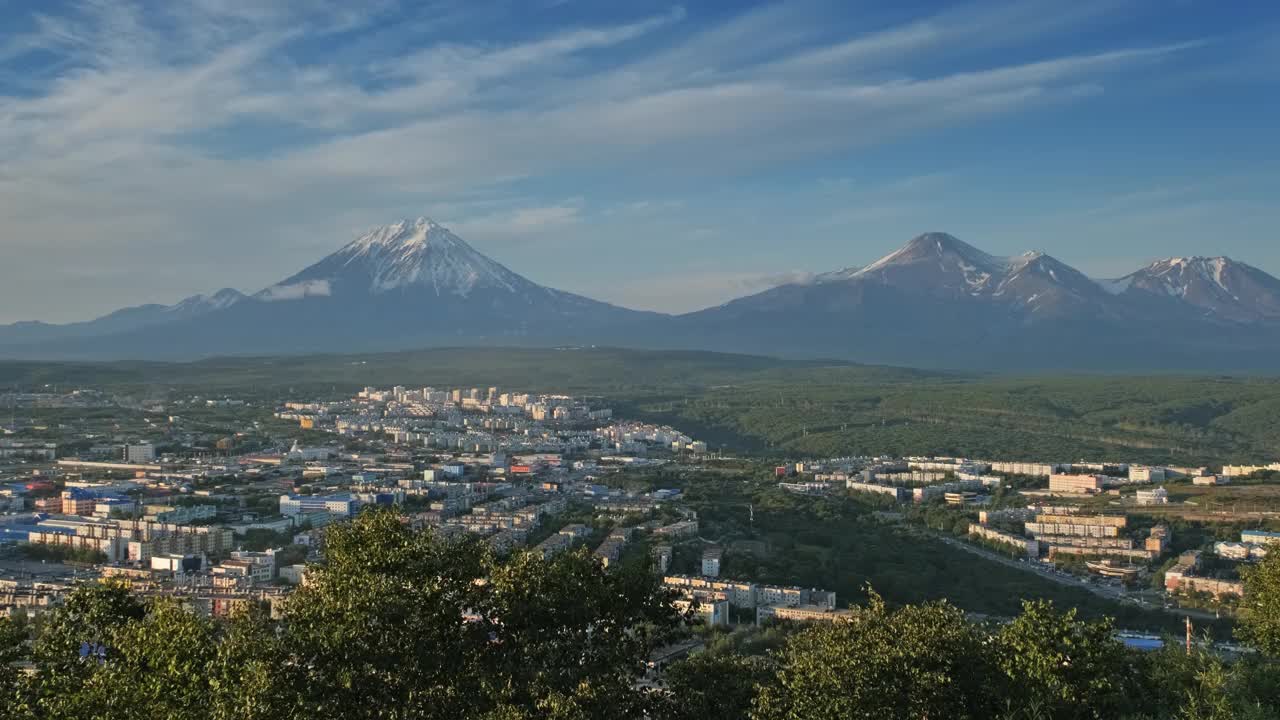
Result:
pixel 760 404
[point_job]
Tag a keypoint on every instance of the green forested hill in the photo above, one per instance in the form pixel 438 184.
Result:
pixel 752 403
pixel 838 411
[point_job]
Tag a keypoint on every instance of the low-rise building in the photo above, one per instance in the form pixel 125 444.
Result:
pixel 1154 496
pixel 682 529
pixel 708 611
pixel 1260 537
pixel 960 497
pixel 294 574
pixel 1240 550
pixel 804 613
pixel 175 564
pixel 340 506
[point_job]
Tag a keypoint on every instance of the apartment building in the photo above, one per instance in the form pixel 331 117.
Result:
pixel 711 558
pixel 180 514
pixel 576 530
pixel 610 551
pixel 115 548
pixel 1024 468
pixel 1081 525
pixel 1076 484
pixel 554 545
pixel 1182 578
pixel 1241 471
pixel 1145 474
pixel 1157 541
pixel 1029 546
pixel 897 493
pixel 76 501
pixel 986 517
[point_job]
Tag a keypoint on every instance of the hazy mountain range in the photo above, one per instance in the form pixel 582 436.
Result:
pixel 936 302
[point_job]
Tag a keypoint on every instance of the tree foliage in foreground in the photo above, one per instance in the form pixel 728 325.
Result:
pixel 1261 617
pixel 1067 668
pixel 917 662
pixel 397 624
pixel 404 625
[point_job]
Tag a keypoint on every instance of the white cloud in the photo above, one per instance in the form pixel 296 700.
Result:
pixel 191 143
pixel 296 291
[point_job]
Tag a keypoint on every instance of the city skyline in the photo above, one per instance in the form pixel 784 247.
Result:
pixel 155 152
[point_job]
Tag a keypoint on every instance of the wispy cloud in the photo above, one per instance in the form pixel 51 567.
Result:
pixel 522 224
pixel 213 133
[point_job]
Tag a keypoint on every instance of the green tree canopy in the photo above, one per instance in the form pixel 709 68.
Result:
pixel 715 686
pixel 1260 621
pixel 400 624
pixel 1068 668
pixel 13 650
pixel 922 661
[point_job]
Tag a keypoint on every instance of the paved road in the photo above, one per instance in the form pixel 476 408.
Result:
pixel 1105 591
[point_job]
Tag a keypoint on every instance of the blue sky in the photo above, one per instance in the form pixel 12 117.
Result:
pixel 658 155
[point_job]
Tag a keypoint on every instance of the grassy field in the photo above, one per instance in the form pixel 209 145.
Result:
pixel 780 407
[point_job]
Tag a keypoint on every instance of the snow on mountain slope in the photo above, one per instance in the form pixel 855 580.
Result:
pixel 1217 287
pixel 942 265
pixel 197 304
pixel 938 261
pixel 407 255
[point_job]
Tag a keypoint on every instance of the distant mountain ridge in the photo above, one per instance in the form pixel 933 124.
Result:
pixel 940 302
pixel 122 320
pixel 935 302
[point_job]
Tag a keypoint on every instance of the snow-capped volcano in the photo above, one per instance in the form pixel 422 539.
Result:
pixel 935 302
pixel 407 255
pixel 1215 286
